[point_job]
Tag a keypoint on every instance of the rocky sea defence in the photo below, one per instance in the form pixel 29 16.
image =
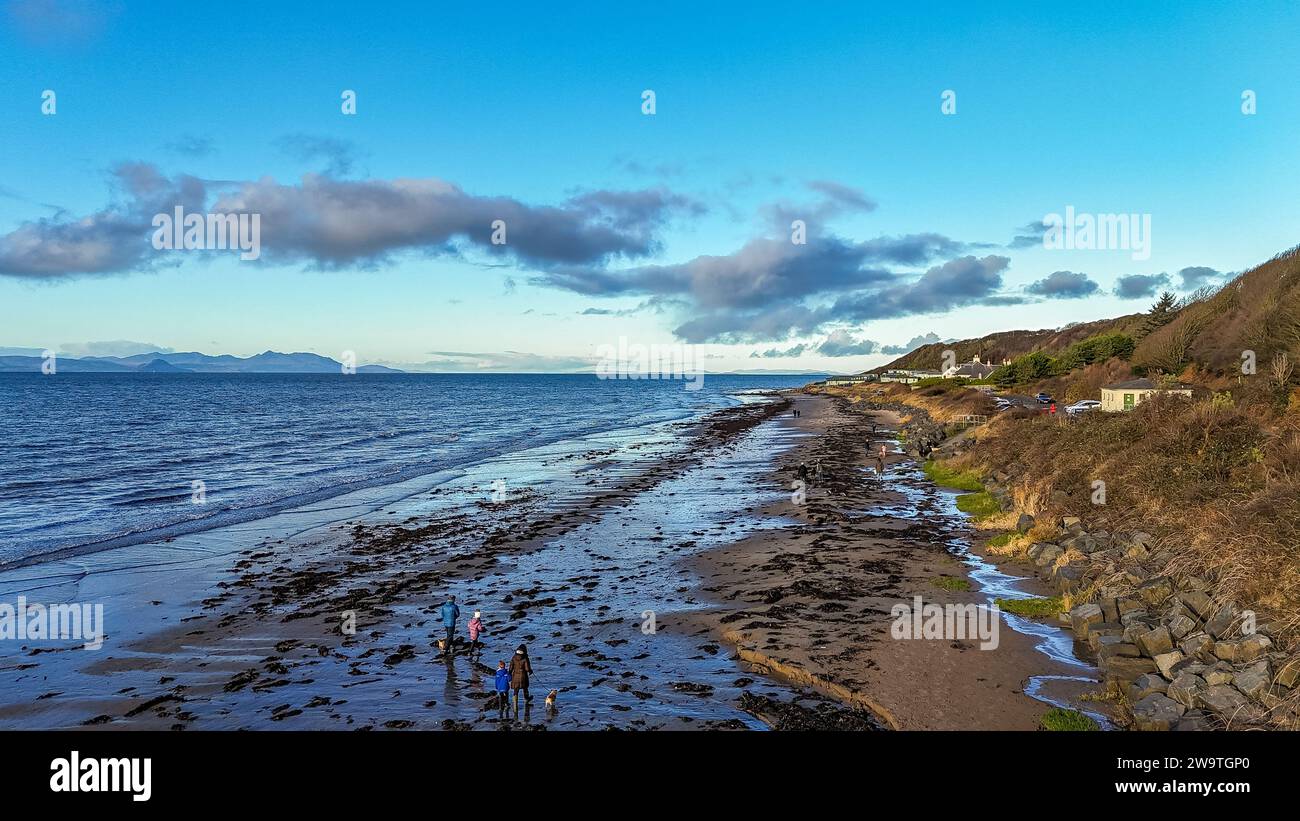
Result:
pixel 1174 655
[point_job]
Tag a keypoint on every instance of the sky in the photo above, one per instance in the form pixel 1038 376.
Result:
pixel 920 146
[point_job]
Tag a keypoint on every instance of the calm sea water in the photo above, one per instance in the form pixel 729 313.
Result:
pixel 96 460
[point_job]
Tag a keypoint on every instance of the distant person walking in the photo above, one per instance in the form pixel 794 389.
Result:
pixel 520 669
pixel 880 461
pixel 450 612
pixel 475 630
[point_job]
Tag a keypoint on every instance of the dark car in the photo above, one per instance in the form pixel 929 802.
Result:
pixel 1043 398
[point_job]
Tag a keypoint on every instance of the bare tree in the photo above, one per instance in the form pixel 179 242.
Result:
pixel 1280 370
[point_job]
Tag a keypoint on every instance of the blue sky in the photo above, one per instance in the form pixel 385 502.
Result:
pixel 665 227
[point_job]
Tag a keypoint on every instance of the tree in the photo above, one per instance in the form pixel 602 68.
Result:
pixel 1097 348
pixel 1280 371
pixel 1161 314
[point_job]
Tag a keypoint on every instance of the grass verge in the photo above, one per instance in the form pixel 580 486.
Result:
pixel 951 582
pixel 1061 720
pixel 979 505
pixel 967 480
pixel 1036 608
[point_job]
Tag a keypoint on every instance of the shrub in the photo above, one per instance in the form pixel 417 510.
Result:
pixel 1062 720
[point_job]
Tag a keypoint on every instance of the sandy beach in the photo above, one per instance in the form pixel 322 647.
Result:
pixel 663 584
pixel 811 602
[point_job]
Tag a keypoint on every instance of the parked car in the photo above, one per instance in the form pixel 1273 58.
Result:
pixel 1082 406
pixel 1043 398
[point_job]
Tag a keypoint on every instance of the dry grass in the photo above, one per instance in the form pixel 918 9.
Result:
pixel 1219 484
pixel 1074 598
pixel 1011 545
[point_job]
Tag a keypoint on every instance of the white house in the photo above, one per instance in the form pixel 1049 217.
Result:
pixel 1124 396
pixel 974 369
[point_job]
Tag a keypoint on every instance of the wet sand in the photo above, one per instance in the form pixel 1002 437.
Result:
pixel 236 630
pixel 812 602
pixel 662 582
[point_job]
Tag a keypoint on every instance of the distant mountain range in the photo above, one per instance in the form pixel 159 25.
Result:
pixel 269 362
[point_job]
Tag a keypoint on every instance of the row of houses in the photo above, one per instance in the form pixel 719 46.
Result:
pixel 1121 396
pixel 973 370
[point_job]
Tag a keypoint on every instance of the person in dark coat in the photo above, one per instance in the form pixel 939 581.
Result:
pixel 520 669
pixel 450 612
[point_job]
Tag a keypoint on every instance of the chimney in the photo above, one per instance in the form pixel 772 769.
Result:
pixel 976 360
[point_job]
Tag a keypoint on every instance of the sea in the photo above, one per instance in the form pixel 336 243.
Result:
pixel 92 461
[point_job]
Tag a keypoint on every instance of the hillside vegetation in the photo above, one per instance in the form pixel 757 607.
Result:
pixel 1215 479
pixel 1004 345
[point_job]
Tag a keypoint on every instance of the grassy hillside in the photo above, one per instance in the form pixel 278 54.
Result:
pixel 1202 339
pixel 1258 311
pixel 1214 479
pixel 994 348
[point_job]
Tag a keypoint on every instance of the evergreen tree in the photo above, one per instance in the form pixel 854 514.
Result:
pixel 1161 314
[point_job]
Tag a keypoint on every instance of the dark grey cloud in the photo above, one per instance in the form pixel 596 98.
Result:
pixel 780 353
pixel 1029 236
pixel 842 343
pixel 326 222
pixel 335 223
pixel 835 199
pixel 914 249
pixel 957 283
pixel 189 145
pixel 501 361
pixel 338 156
pixel 759 274
pixel 662 170
pixel 1138 286
pixel 112 240
pixel 1063 285
pixel 11 194
pixel 912 344
pixel 654 305
pixel 61 22
pixel 1197 276
pixel 115 347
pixel 846 197
pixel 768 277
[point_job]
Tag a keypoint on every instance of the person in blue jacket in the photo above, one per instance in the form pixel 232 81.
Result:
pixel 450 612
pixel 503 686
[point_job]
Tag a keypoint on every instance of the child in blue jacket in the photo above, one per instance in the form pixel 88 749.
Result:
pixel 503 686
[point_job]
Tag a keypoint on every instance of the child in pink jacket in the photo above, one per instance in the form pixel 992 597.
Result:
pixel 475 630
